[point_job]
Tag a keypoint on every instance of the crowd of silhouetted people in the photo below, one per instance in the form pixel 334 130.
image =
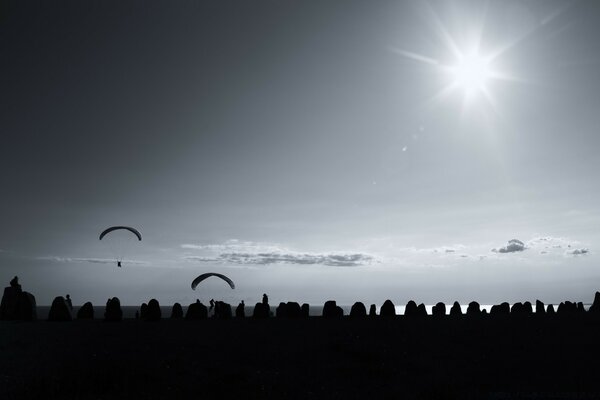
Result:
pixel 19 305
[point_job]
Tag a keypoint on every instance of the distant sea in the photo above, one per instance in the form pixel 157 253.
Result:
pixel 316 311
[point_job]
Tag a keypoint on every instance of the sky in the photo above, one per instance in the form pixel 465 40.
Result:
pixel 311 150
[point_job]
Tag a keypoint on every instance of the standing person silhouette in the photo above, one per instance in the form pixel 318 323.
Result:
pixel 240 310
pixel 69 303
pixel 265 299
pixel 14 282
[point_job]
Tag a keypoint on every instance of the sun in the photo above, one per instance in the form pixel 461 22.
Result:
pixel 471 73
pixel 470 66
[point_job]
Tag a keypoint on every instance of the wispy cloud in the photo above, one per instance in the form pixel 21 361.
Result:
pixel 545 245
pixel 335 260
pixel 235 246
pixel 577 252
pixel 251 253
pixel 88 260
pixel 389 251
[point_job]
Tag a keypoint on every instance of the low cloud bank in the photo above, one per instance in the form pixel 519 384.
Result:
pixel 250 253
pixel 334 260
pixel 547 246
pixel 89 260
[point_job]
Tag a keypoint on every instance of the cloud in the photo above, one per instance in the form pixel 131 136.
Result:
pixel 577 252
pixel 251 253
pixel 557 246
pixel 546 246
pixel 89 260
pixel 334 260
pixel 383 252
pixel 513 246
pixel 235 246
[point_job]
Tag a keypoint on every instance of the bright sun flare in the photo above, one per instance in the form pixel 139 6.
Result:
pixel 471 73
pixel 473 69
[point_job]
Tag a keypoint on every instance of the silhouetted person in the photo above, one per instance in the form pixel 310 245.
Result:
pixel 332 310
pixel 293 310
pixel 59 310
pixel 240 311
pixel 177 311
pixel 119 264
pixel 222 310
pixel 143 310
pixel 539 307
pixel 473 309
pixel 113 310
pixel 153 312
pixel 358 310
pixel 439 310
pixel 196 311
pixel 261 310
pixel 304 310
pixel 265 299
pixel 410 310
pixel 281 310
pixel 517 309
pixel 69 303
pixel 567 308
pixel 455 310
pixel 212 305
pixel 387 309
pixel 86 311
pixel 14 282
pixel 500 309
pixel 372 310
pixel 17 304
pixel 595 307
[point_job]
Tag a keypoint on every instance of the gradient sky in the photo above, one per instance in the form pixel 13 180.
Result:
pixel 302 148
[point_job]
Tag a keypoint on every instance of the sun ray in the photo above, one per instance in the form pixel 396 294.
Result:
pixel 441 95
pixel 416 56
pixel 444 34
pixel 525 35
pixel 466 61
pixel 487 94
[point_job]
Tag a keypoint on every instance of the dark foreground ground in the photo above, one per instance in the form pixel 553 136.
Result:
pixel 370 358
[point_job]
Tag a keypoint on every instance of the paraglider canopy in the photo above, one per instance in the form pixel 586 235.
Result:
pixel 127 228
pixel 202 277
pixel 120 241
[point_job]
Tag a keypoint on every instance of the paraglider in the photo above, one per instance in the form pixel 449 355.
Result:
pixel 118 241
pixel 202 277
pixel 115 228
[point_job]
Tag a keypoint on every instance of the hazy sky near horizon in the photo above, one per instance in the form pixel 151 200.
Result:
pixel 311 150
